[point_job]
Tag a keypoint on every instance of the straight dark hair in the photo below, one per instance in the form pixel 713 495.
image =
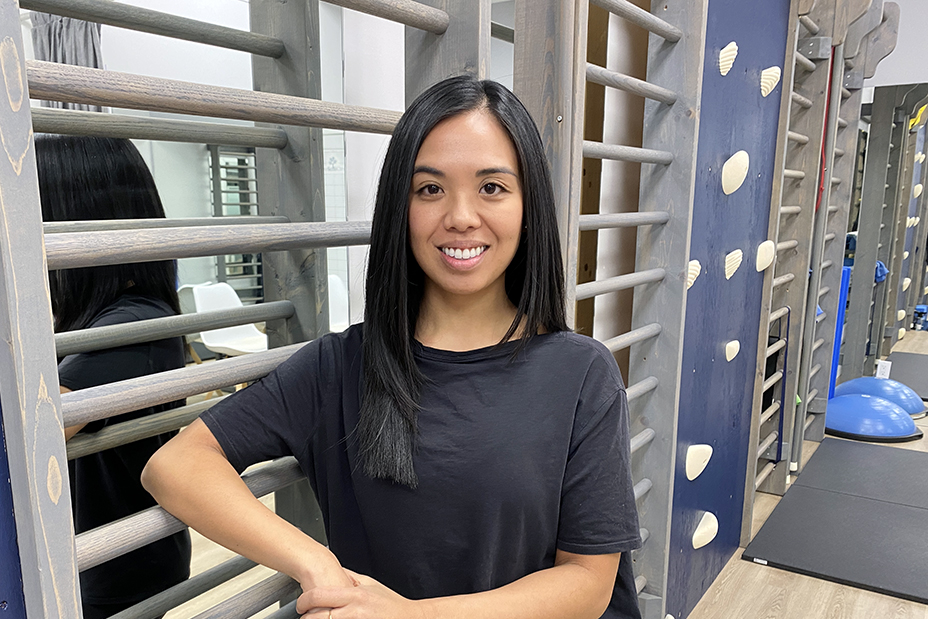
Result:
pixel 85 178
pixel 534 279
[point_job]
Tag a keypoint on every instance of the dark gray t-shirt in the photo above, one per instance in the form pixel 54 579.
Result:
pixel 515 459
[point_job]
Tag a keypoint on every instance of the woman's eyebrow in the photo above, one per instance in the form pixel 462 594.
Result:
pixel 424 169
pixel 488 171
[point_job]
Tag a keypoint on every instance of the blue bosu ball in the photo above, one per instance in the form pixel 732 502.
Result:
pixel 885 388
pixel 869 418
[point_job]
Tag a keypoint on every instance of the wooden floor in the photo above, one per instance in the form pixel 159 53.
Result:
pixel 745 590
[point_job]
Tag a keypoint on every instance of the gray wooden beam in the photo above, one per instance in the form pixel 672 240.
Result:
pixel 291 183
pixel 31 406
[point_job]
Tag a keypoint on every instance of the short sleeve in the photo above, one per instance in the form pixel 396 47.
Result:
pixel 598 513
pixel 275 416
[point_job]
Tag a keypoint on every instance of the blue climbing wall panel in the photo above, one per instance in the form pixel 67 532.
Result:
pixel 716 395
pixel 12 604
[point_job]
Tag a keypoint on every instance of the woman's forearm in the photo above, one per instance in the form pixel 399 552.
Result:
pixel 571 590
pixel 191 478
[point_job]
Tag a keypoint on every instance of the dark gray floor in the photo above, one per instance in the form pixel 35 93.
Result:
pixel 910 369
pixel 857 515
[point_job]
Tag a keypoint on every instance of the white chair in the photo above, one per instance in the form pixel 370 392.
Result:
pixel 231 341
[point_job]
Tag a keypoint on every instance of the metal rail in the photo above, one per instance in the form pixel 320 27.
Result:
pixel 621 282
pixel 164 24
pixel 627 83
pixel 112 399
pixel 634 336
pixel 86 249
pixel 125 334
pixel 633 154
pixel 622 220
pixel 132 532
pixel 97 124
pixel 61 82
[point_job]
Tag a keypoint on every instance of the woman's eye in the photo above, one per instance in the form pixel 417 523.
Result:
pixel 430 190
pixel 491 189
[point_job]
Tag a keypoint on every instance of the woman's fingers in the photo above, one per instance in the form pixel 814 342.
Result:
pixel 320 598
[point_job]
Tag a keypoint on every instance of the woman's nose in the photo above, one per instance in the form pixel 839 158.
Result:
pixel 462 213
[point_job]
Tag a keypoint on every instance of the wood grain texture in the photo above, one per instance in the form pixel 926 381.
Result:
pixel 117 538
pixel 28 374
pixel 257 597
pixel 58 82
pixel 407 12
pixel 96 225
pixel 155 22
pixel 105 401
pixel 642 18
pixel 74 122
pixel 84 444
pixel 69 250
pixel 101 338
pixel 620 282
pixel 622 220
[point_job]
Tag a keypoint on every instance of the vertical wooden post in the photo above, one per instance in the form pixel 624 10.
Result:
pixel 28 375
pixel 292 185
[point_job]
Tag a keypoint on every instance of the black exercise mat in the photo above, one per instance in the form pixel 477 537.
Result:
pixel 910 369
pixel 878 472
pixel 848 539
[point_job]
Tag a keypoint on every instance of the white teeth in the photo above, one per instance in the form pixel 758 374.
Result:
pixel 465 254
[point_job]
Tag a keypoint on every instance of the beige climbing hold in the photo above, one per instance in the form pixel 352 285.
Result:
pixel 905 255
pixel 769 78
pixel 734 171
pixel 706 530
pixel 697 458
pixel 900 315
pixel 732 349
pixel 906 283
pixel 917 190
pixel 727 57
pixel 901 334
pixel 766 252
pixel 693 270
pixel 918 157
pixel 732 262
pixel 917 219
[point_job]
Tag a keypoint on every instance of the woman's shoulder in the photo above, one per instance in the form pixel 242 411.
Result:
pixel 578 350
pixel 129 308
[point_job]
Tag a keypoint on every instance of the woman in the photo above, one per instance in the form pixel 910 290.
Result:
pixel 82 178
pixel 469 453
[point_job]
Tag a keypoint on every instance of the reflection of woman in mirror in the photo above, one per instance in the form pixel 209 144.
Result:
pixel 470 454
pixel 83 178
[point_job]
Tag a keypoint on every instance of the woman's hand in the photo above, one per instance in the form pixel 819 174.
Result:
pixel 368 599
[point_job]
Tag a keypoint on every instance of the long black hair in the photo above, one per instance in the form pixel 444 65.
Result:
pixel 84 178
pixel 534 279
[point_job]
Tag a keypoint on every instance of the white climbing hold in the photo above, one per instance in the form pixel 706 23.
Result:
pixel 766 252
pixel 732 349
pixel 732 262
pixel 769 78
pixel 900 315
pixel 922 158
pixel 906 283
pixel 918 219
pixel 692 272
pixel 905 255
pixel 706 530
pixel 918 157
pixel 734 171
pixel 697 458
pixel 917 190
pixel 901 334
pixel 727 57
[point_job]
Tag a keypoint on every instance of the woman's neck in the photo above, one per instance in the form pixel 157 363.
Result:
pixel 453 322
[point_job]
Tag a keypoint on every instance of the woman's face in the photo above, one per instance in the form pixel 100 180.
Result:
pixel 465 206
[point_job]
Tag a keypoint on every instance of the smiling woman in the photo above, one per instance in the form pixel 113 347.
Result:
pixel 470 454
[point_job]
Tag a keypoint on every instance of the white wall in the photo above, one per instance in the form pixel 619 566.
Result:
pixel 907 63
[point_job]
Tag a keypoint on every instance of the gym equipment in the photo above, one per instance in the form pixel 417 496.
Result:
pixel 911 369
pixel 867 417
pixel 888 389
pixel 855 516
